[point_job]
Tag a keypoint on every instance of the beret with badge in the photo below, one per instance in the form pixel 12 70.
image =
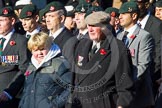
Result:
pixel 53 6
pixel 142 1
pixel 98 18
pixel 129 7
pixel 158 3
pixel 114 12
pixel 93 9
pixel 28 11
pixel 6 11
pixel 83 6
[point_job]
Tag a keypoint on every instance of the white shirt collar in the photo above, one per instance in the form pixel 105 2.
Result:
pixel 57 32
pixel 131 30
pixel 84 31
pixel 37 30
pixel 7 37
pixel 144 20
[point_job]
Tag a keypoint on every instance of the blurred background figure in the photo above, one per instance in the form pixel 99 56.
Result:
pixel 158 9
pixel 17 9
pixel 69 20
pixel 114 13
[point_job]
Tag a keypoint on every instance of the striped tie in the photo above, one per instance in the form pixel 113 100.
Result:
pixel 2 40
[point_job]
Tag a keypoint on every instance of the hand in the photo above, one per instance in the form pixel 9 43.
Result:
pixel 3 97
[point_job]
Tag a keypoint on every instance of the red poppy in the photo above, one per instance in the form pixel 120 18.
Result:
pixel 12 43
pixel 87 1
pixel 113 14
pixel 103 52
pixel 27 73
pixel 132 36
pixel 5 11
pixel 29 13
pixel 52 8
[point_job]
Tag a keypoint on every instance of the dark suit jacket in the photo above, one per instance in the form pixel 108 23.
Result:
pixel 154 27
pixel 61 39
pixel 10 73
pixel 88 73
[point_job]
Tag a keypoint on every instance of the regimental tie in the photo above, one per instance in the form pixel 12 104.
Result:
pixel 125 38
pixel 93 51
pixel 2 40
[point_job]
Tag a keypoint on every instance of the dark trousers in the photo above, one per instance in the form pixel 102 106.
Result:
pixel 10 104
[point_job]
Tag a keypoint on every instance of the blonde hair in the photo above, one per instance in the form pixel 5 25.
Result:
pixel 39 41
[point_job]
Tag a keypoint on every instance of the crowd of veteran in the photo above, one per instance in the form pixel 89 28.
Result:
pixel 80 54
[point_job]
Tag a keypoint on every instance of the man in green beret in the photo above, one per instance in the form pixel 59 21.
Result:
pixel 114 13
pixel 154 26
pixel 55 15
pixel 80 12
pixel 141 46
pixel 13 59
pixel 29 18
pixel 158 9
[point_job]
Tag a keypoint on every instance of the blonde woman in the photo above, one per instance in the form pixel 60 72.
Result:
pixel 46 76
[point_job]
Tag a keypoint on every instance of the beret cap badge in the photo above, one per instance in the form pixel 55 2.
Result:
pixel 52 8
pixel 113 14
pixel 87 1
pixel 129 9
pixel 5 11
pixel 82 10
pixel 29 13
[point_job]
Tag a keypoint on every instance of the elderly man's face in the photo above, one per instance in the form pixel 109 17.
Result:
pixel 95 33
pixel 79 19
pixel 158 12
pixel 53 21
pixel 6 24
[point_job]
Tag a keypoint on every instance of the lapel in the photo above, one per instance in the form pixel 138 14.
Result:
pixel 134 35
pixel 120 35
pixel 94 64
pixel 8 46
pixel 148 23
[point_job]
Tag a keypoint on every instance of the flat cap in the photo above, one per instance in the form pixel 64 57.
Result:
pixel 158 3
pixel 129 7
pixel 53 6
pixel 28 11
pixel 97 18
pixel 6 11
pixel 112 11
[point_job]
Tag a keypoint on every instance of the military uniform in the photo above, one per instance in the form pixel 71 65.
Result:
pixel 14 61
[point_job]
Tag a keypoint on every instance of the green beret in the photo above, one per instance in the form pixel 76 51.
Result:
pixel 82 7
pixel 6 11
pixel 93 9
pixel 41 14
pixel 112 11
pixel 129 7
pixel 158 3
pixel 53 6
pixel 143 1
pixel 97 18
pixel 28 11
